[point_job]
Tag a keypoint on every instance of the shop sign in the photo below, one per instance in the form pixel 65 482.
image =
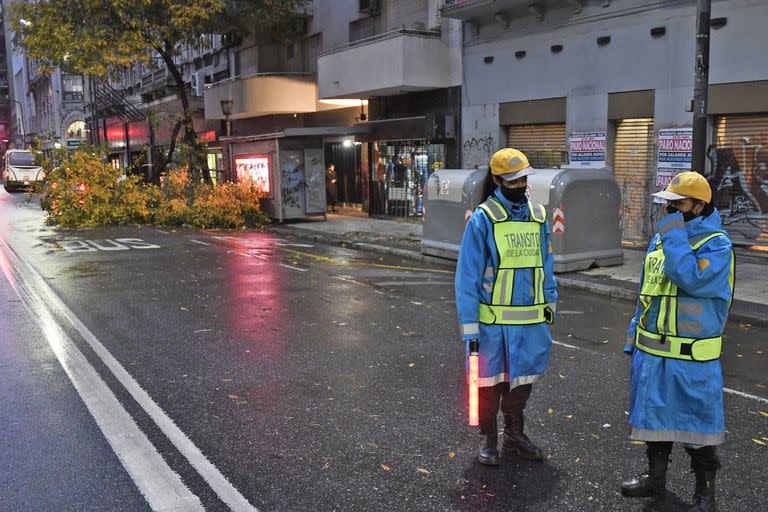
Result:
pixel 587 149
pixel 74 143
pixel 209 136
pixel 255 168
pixel 675 154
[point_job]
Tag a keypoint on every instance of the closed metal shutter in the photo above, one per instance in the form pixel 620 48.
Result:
pixel 633 158
pixel 543 144
pixel 740 178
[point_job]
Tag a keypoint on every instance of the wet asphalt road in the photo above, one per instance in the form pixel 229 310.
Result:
pixel 319 378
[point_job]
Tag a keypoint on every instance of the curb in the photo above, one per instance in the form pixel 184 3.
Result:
pixel 746 312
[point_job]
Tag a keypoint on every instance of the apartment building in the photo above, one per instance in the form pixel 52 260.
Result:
pixel 551 77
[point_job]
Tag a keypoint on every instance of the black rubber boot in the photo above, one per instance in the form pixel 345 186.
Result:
pixel 488 453
pixel 654 482
pixel 704 495
pixel 515 442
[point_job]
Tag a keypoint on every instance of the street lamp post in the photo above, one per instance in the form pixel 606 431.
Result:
pixel 226 108
pixel 21 124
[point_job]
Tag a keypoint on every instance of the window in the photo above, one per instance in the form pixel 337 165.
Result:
pixel 22 159
pixel 76 130
pixel 72 87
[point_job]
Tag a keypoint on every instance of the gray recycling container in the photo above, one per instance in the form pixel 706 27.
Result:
pixel 450 197
pixel 582 211
pixel 583 208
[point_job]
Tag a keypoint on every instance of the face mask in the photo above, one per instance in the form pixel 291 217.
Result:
pixel 687 216
pixel 514 195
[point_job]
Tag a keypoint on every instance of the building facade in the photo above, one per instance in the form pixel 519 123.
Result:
pixel 544 76
pixel 371 87
pixel 38 105
pixel 404 60
pixel 6 126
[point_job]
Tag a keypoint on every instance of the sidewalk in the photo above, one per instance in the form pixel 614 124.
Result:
pixel 402 238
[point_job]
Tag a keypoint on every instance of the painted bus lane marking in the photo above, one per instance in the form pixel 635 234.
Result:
pixel 105 245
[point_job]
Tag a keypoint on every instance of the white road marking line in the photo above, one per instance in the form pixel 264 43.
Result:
pixel 163 232
pixel 288 244
pixel 746 395
pixel 348 279
pixel 158 483
pixel 726 390
pixel 412 283
pixel 565 345
pixel 199 242
pixel 210 473
pixel 293 268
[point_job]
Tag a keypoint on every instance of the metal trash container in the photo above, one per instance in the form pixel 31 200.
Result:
pixel 583 213
pixel 582 210
pixel 450 197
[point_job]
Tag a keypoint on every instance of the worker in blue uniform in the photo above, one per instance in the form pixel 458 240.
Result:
pixel 505 297
pixel 675 338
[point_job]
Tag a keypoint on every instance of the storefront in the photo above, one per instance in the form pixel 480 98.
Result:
pixel 740 176
pixel 538 129
pixel 633 168
pixel 402 168
pixel 410 136
pixel 289 166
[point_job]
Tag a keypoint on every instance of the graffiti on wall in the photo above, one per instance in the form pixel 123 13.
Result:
pixel 740 189
pixel 478 150
pixel 292 174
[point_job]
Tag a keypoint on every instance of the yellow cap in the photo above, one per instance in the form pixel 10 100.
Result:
pixel 510 164
pixel 689 184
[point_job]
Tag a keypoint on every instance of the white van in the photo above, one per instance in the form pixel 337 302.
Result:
pixel 20 170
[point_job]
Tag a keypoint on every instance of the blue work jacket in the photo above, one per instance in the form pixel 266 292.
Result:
pixel 517 354
pixel 674 399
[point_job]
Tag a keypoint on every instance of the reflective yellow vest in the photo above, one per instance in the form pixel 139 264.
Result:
pixel 665 342
pixel 518 244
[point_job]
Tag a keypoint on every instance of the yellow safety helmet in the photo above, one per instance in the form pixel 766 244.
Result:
pixel 510 164
pixel 689 184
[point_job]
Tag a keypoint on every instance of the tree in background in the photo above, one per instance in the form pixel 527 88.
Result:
pixel 99 38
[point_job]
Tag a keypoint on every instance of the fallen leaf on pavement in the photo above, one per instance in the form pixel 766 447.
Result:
pixel 561 375
pixel 637 442
pixel 452 455
pixel 422 471
pixel 550 410
pixel 569 416
pixel 183 308
pixel 385 467
pixel 578 459
pixel 233 397
pixel 411 365
pixel 758 442
pixel 764 414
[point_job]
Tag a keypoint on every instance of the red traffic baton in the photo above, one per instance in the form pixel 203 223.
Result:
pixel 474 402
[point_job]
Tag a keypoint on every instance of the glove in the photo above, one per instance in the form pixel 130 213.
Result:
pixel 549 312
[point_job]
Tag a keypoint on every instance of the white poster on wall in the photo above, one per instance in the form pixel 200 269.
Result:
pixel 586 149
pixel 675 154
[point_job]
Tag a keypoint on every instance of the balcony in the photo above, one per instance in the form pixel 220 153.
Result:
pixel 468 10
pixel 392 63
pixel 263 94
